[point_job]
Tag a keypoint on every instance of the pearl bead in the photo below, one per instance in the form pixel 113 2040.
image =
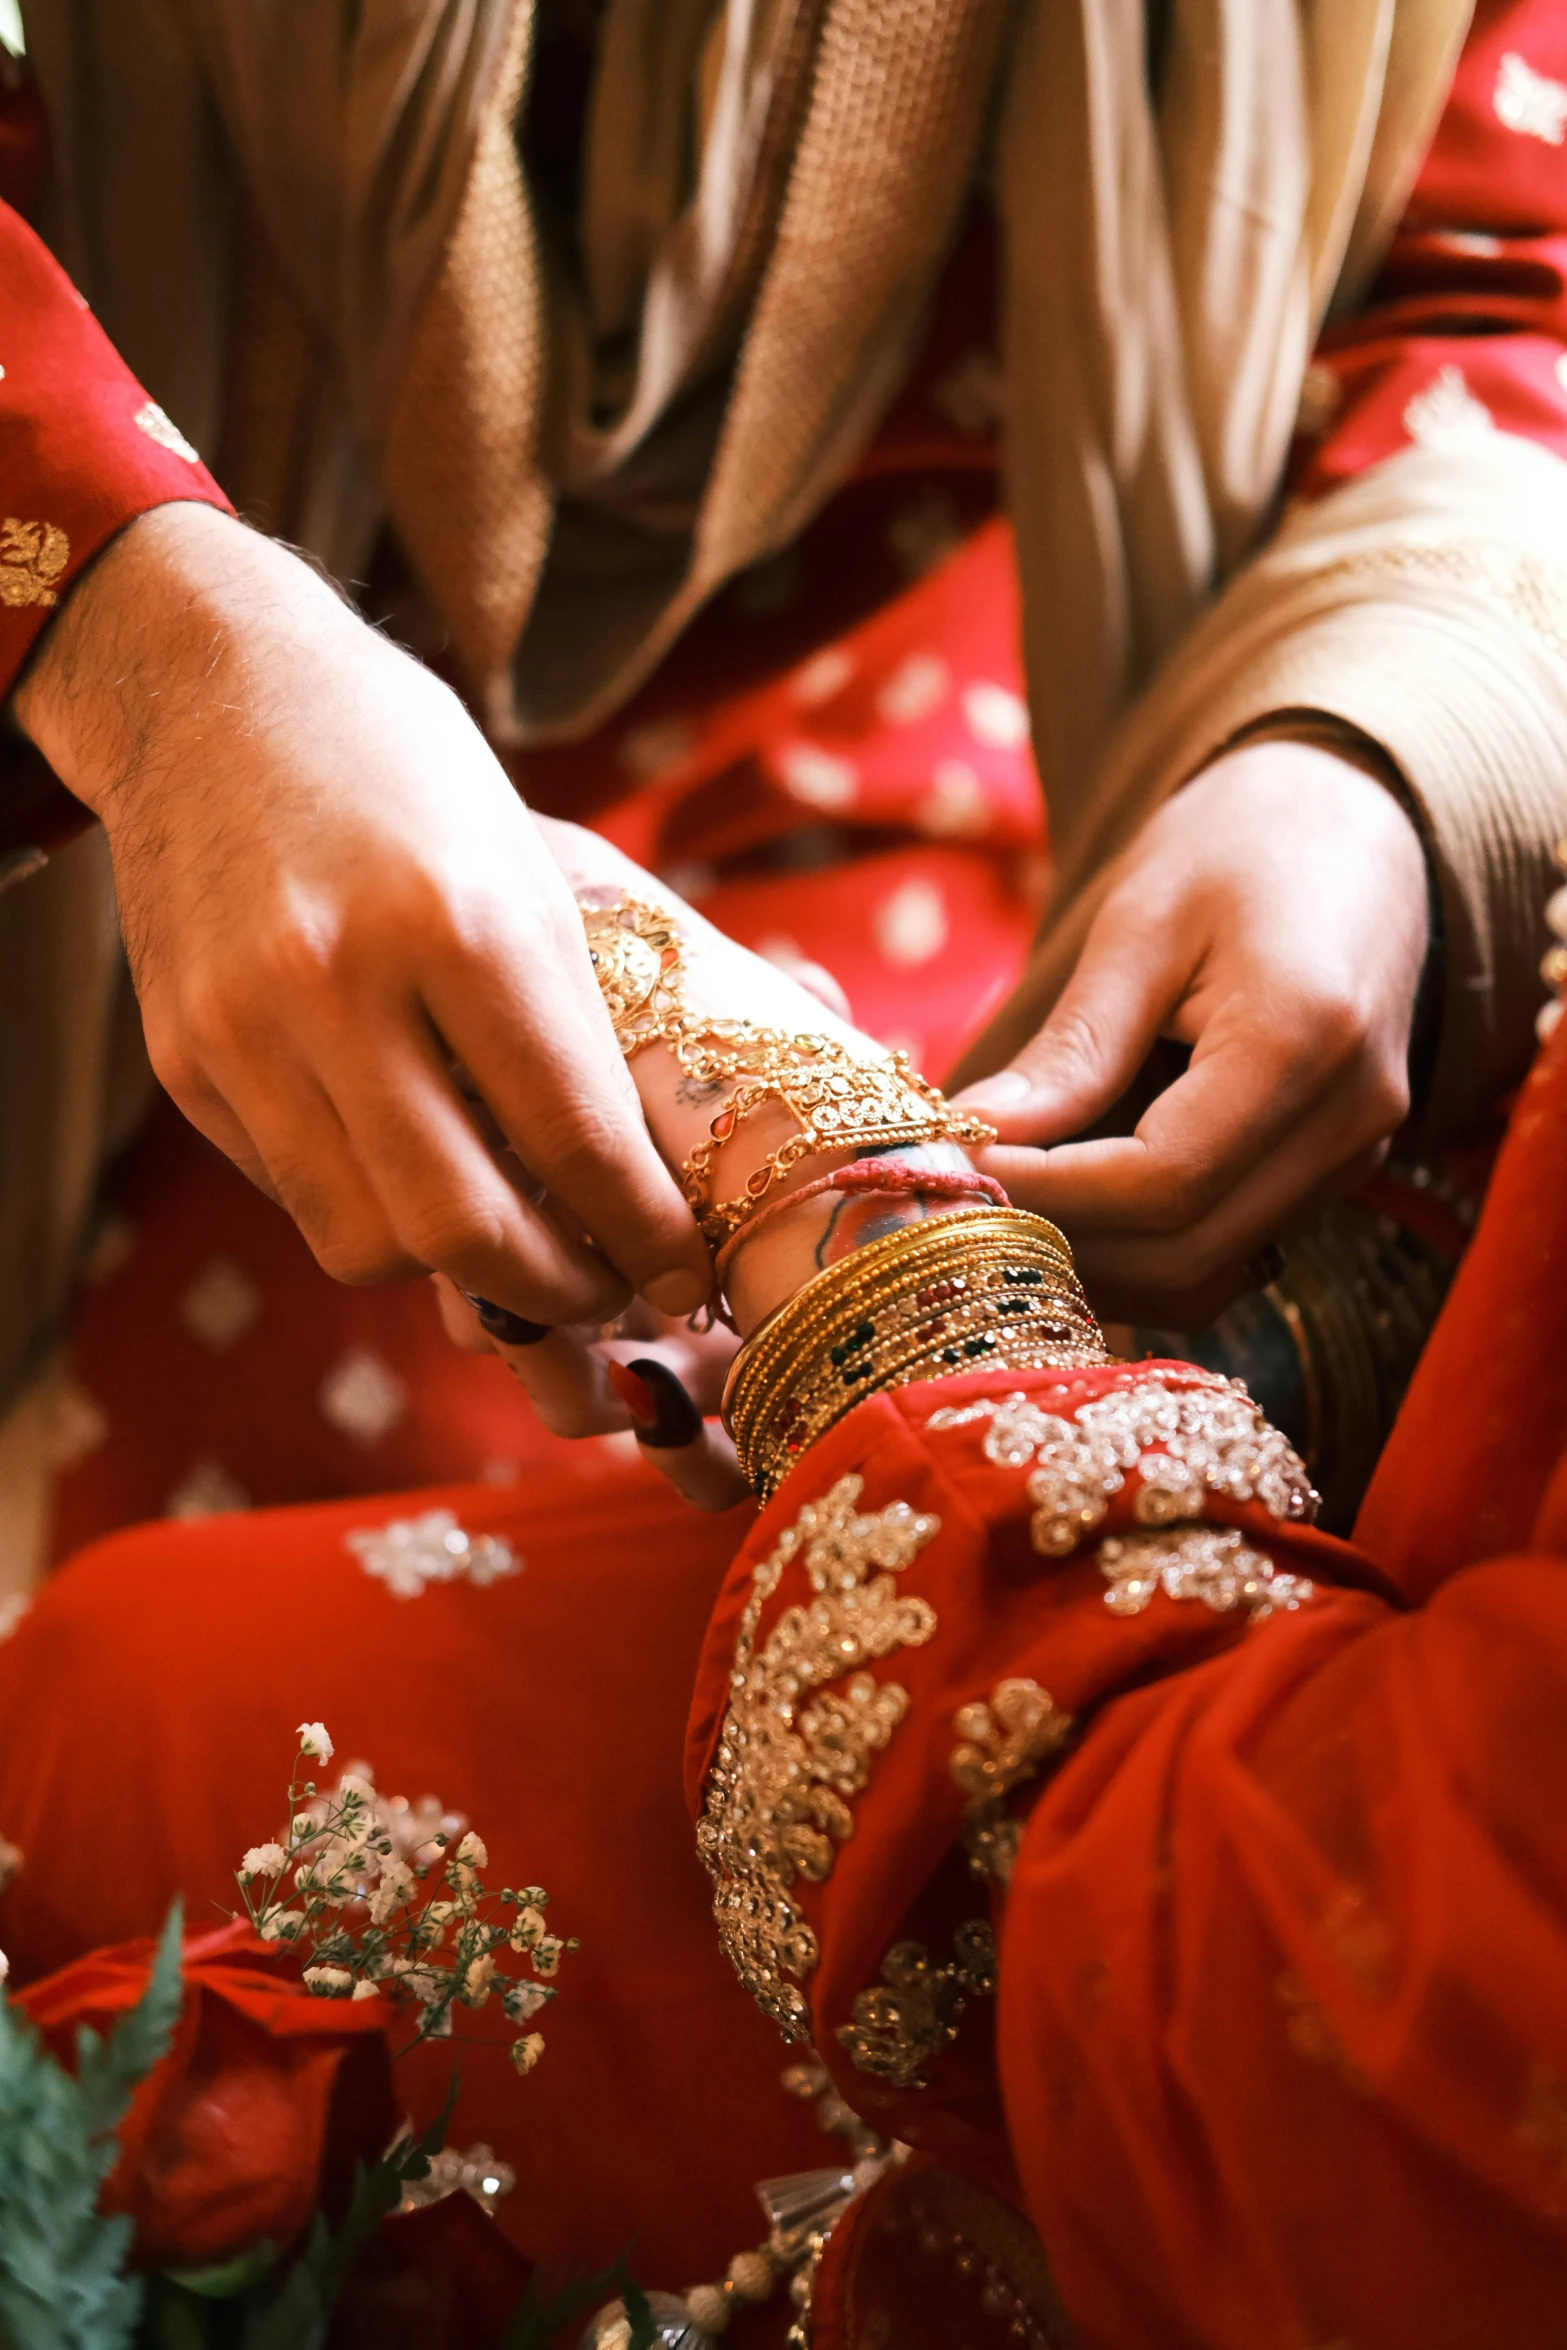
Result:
pixel 751 2274
pixel 709 2306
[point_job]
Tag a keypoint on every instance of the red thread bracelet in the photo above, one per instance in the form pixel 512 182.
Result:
pixel 866 1175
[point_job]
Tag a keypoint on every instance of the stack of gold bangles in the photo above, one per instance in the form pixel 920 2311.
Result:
pixel 976 1288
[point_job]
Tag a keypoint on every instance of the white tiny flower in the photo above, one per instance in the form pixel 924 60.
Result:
pixel 313 1740
pixel 328 1981
pixel 523 2001
pixel 525 2054
pixel 439 1914
pixel 5 1966
pixel 395 1890
pixel 477 1980
pixel 528 1928
pixel 303 1826
pixel 547 1954
pixel 262 1860
pixel 279 1925
pixel 472 1850
pixel 364 1989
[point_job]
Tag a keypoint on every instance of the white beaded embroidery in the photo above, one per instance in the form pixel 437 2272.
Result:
pixel 1184 1441
pixel 412 1553
pixel 1214 1565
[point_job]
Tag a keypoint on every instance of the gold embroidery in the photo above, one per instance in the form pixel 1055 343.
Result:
pixel 1197 1562
pixel 1002 1744
pixel 32 557
pixel 913 2013
pixel 778 1796
pixel 150 419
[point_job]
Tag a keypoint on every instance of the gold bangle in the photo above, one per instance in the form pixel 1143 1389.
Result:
pixel 973 1286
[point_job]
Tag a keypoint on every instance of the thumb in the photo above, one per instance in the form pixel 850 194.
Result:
pixel 1095 1040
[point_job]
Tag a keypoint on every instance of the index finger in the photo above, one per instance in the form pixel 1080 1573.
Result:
pixel 525 1017
pixel 1193 1144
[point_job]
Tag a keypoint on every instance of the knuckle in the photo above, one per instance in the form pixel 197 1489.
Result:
pixel 1340 1025
pixel 1072 1042
pixel 454 1233
pixel 360 1260
pixel 1182 1197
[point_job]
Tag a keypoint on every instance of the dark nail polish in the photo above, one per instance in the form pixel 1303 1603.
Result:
pixel 677 1420
pixel 633 1392
pixel 503 1324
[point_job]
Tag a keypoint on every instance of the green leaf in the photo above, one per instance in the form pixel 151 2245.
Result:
pixel 534 2323
pixel 643 2331
pixel 107 2072
pixel 62 2285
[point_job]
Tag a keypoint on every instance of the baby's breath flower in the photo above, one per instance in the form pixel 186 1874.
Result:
pixel 525 2054
pixel 262 1860
pixel 395 1889
pixel 522 2001
pixel 477 1980
pixel 472 1850
pixel 365 1989
pixel 313 1740
pixel 5 1966
pixel 328 1981
pixel 547 1954
pixel 527 1929
pixel 279 1925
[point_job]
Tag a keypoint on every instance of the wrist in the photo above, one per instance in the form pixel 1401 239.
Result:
pixel 184 614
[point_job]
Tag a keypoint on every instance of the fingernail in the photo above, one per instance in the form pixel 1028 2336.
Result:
pixel 1002 1092
pixel 503 1324
pixel 678 1292
pixel 676 1420
pixel 633 1392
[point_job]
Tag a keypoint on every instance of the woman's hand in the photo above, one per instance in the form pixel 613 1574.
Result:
pixel 1273 916
pixel 650 1374
pixel 329 891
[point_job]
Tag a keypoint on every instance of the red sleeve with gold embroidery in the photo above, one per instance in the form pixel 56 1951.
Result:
pixel 1197 1912
pixel 83 449
pixel 1465 330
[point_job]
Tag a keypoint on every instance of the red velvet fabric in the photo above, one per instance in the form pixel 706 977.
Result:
pixel 75 457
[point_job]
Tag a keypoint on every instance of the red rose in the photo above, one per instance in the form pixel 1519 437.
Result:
pixel 259 2111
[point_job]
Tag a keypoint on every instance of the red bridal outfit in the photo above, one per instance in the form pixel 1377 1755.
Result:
pixel 1187 1889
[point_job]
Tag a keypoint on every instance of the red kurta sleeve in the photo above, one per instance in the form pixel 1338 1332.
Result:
pixel 82 451
pixel 1465 330
pixel 1131 1852
pixel 83 448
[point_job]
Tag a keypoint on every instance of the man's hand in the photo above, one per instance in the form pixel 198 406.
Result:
pixel 1273 916
pixel 330 892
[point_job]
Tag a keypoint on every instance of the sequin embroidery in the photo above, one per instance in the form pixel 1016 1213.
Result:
pixel 780 1790
pixel 900 2023
pixel 1000 1745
